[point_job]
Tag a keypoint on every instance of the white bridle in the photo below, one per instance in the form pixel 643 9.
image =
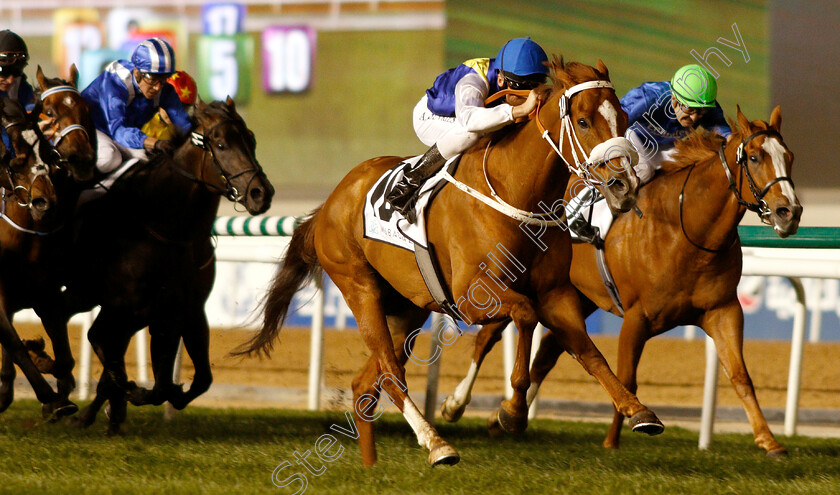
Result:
pixel 612 148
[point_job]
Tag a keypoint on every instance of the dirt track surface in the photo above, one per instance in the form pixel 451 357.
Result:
pixel 671 370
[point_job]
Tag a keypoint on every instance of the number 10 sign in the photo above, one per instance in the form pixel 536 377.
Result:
pixel 288 58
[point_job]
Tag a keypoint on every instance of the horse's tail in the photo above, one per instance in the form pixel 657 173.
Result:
pixel 300 265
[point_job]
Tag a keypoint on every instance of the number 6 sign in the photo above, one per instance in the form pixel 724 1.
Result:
pixel 288 58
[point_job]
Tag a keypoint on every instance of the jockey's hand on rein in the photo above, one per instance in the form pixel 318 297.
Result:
pixel 165 146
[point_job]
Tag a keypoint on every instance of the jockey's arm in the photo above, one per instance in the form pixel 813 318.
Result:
pixel 470 112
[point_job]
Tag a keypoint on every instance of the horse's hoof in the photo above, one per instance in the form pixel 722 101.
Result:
pixel 493 427
pixel 646 422
pixel 113 430
pixel 6 400
pixel 780 453
pixel 450 412
pixel 54 411
pixel 444 455
pixel 510 423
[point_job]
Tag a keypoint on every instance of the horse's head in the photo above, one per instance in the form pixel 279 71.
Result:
pixel 26 177
pixel 765 162
pixel 222 133
pixel 589 128
pixel 66 120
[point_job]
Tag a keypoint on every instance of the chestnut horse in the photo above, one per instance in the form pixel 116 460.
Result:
pixel 680 264
pixel 29 204
pixel 385 290
pixel 144 253
pixel 66 118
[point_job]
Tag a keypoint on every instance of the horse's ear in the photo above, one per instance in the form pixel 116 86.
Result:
pixel 776 118
pixel 602 68
pixel 199 104
pixel 230 103
pixel 742 120
pixel 560 74
pixel 42 81
pixel 74 75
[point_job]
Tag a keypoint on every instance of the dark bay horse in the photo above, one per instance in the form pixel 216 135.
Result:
pixel 65 118
pixel 528 166
pixel 144 254
pixel 680 264
pixel 28 204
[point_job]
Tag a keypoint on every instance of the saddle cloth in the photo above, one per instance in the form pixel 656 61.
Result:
pixel 384 224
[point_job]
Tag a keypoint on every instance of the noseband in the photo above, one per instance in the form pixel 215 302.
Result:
pixel 229 191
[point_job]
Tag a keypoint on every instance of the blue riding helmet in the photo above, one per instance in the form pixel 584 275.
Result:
pixel 521 57
pixel 154 56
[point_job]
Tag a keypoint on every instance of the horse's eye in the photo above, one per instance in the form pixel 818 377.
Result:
pixel 754 158
pixel 50 113
pixel 582 123
pixel 220 145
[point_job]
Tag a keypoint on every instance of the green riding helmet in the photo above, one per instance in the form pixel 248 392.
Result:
pixel 694 86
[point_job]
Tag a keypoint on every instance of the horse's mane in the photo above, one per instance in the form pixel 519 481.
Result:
pixel 698 146
pixel 576 72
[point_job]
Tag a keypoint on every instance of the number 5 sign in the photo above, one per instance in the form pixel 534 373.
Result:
pixel 288 58
pixel 225 66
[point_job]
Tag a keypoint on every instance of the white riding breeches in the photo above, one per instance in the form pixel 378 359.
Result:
pixel 451 138
pixel 110 154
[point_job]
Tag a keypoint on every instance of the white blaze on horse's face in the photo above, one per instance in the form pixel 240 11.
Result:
pixel 774 148
pixel 607 110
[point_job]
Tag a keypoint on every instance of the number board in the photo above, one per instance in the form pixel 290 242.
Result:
pixel 222 19
pixel 224 67
pixel 288 54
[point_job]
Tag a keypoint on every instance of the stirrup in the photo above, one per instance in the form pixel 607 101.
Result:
pixel 586 232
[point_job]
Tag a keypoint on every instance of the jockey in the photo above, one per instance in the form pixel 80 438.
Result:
pixel 160 126
pixel 659 113
pixel 125 97
pixel 451 116
pixel 13 58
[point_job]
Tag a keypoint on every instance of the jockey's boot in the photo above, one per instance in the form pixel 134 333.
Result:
pixel 404 194
pixel 585 231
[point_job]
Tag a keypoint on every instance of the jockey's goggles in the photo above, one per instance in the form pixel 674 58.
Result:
pixel 9 58
pixel 520 83
pixel 154 79
pixel 692 110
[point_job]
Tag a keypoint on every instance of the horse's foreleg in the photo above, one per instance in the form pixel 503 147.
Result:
pixel 547 355
pixel 7 381
pixel 54 406
pixel 197 345
pixel 109 338
pixel 455 405
pixel 725 325
pixel 560 311
pixel 631 342
pixel 55 325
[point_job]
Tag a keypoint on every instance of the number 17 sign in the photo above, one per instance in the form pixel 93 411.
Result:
pixel 288 58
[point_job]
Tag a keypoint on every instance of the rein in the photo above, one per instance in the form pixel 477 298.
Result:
pixel 550 219
pixel 40 169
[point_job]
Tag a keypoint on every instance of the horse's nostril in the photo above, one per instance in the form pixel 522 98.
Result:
pixel 256 194
pixel 40 204
pixel 783 212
